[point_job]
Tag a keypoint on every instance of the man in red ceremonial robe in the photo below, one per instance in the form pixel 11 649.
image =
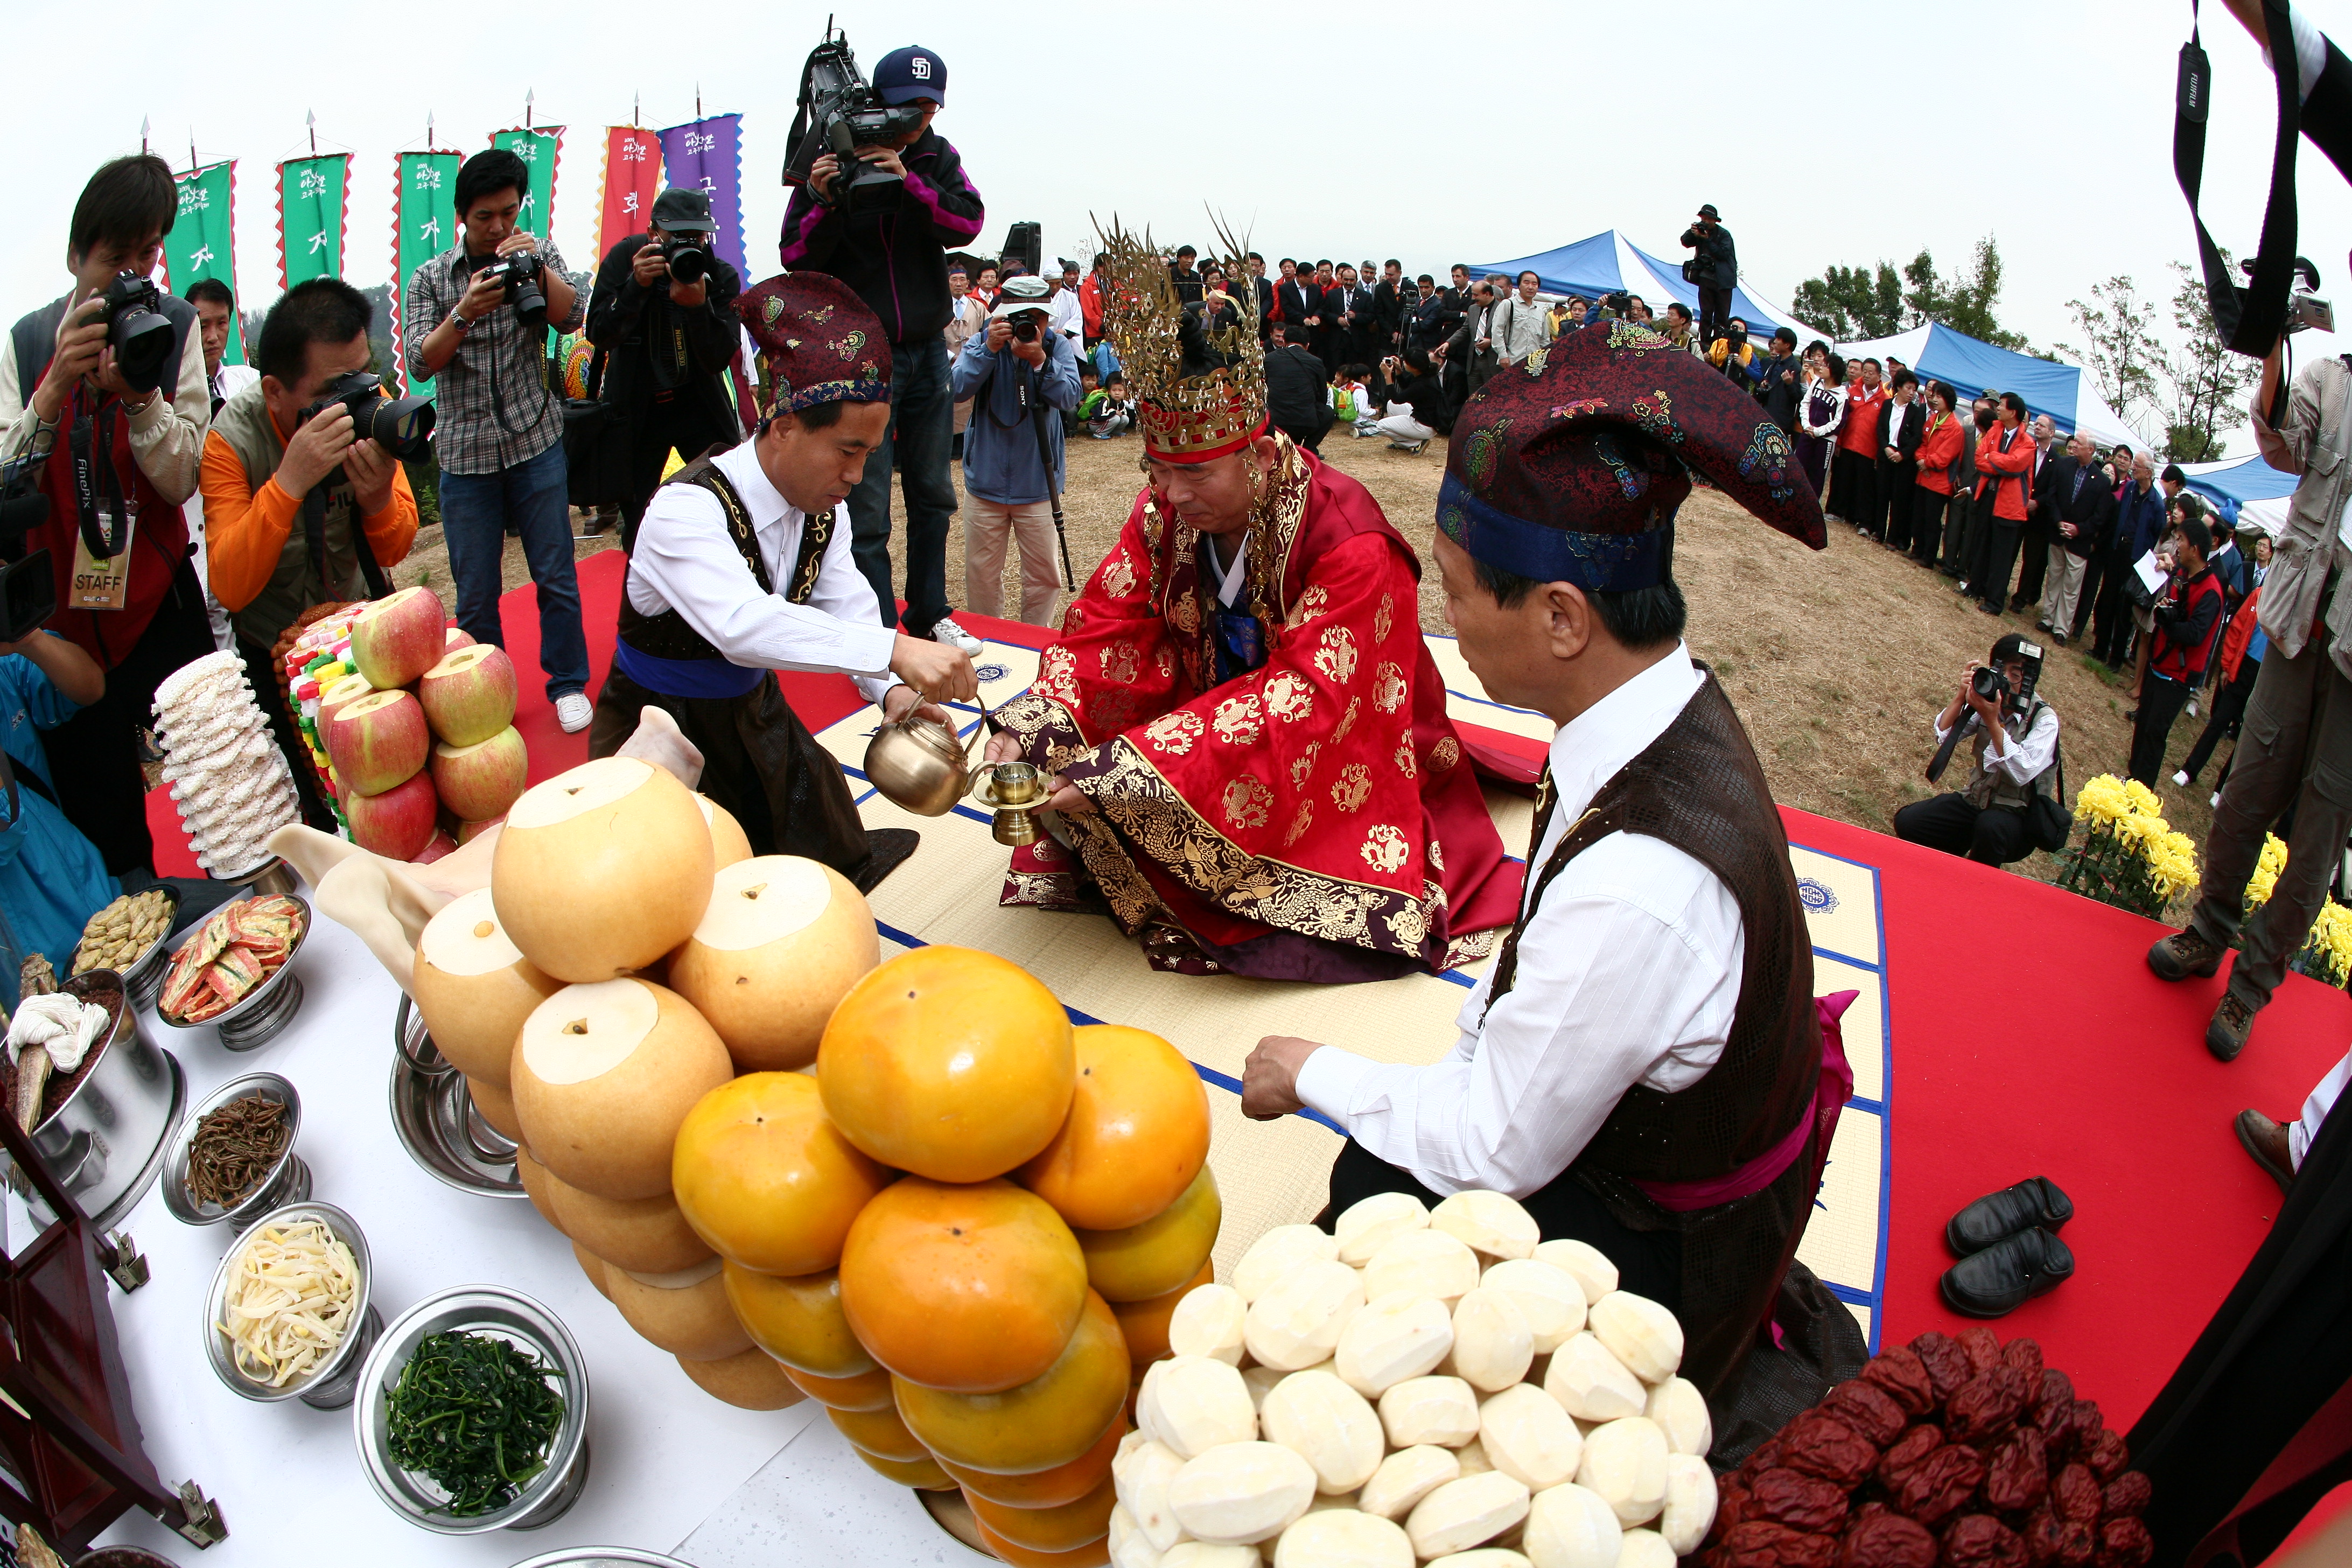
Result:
pixel 1248 738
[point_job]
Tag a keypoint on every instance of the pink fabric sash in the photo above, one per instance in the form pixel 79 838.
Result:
pixel 1835 1088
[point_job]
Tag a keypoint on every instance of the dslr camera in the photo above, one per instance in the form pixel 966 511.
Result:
pixel 839 113
pixel 399 425
pixel 687 262
pixel 136 330
pixel 520 272
pixel 1992 685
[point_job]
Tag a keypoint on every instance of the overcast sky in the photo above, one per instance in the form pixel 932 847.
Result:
pixel 1831 132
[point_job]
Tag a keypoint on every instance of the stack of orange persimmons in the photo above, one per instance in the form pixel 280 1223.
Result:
pixel 980 1320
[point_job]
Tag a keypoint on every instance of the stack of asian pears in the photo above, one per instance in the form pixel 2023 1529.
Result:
pixel 910 1191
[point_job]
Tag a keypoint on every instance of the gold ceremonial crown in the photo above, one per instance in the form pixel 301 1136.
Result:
pixel 1200 388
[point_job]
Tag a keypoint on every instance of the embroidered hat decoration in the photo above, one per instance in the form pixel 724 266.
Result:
pixel 1199 388
pixel 1570 466
pixel 821 342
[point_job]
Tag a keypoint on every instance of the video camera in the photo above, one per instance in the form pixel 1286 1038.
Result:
pixel 1992 685
pixel 399 425
pixel 136 330
pixel 839 113
pixel 520 272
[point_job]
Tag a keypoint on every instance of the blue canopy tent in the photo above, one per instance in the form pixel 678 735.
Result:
pixel 2245 490
pixel 1937 352
pixel 1608 261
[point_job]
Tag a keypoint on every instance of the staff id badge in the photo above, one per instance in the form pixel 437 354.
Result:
pixel 98 583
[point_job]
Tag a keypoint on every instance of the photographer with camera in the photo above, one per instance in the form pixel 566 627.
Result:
pixel 2188 614
pixel 478 316
pixel 302 506
pixel 881 219
pixel 2016 741
pixel 663 318
pixel 1016 371
pixel 102 414
pixel 1713 271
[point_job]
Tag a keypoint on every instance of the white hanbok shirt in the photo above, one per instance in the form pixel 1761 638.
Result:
pixel 686 561
pixel 1628 973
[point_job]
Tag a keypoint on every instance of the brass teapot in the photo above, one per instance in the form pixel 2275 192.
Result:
pixel 919 764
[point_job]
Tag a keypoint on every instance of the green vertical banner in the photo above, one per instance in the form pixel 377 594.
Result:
pixel 313 196
pixel 198 246
pixel 538 148
pixel 423 225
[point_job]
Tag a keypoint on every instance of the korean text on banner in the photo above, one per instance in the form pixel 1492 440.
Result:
pixel 706 155
pixel 423 225
pixel 632 181
pixel 314 197
pixel 198 246
pixel 538 149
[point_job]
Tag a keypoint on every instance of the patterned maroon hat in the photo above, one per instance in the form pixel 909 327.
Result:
pixel 822 343
pixel 1569 467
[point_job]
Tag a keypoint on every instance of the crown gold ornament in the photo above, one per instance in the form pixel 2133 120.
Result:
pixel 1200 391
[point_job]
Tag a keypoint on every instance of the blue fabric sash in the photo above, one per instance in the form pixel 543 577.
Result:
pixel 708 678
pixel 1241 644
pixel 1597 562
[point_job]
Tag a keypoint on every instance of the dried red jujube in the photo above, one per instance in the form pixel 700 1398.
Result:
pixel 1800 1502
pixel 2125 1543
pixel 1760 1543
pixel 1987 1405
pixel 1731 1509
pixel 1868 1409
pixel 2016 1473
pixel 2109 1457
pixel 2055 1394
pixel 2075 1493
pixel 1981 1540
pixel 1905 1378
pixel 1947 1365
pixel 1909 1452
pixel 1822 1445
pixel 1983 1346
pixel 2127 1496
pixel 1880 1539
pixel 2026 1356
pixel 1943 1481
pixel 1766 1456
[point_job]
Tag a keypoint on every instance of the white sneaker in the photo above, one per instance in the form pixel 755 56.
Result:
pixel 572 711
pixel 955 636
pixel 2181 778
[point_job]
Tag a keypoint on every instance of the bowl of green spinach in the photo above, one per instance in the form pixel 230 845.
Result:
pixel 473 1413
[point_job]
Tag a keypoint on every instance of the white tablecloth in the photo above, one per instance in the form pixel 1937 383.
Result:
pixel 288 1478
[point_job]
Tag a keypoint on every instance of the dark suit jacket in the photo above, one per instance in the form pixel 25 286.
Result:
pixel 1264 289
pixel 1358 300
pixel 1298 300
pixel 1297 397
pixel 1388 307
pixel 1905 439
pixel 1426 322
pixel 2091 507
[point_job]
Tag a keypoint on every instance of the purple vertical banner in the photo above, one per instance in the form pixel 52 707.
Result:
pixel 707 155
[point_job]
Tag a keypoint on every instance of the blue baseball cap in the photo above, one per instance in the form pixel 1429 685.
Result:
pixel 904 75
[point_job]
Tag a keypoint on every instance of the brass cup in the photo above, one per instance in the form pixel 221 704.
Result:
pixel 1017 784
pixel 1014 827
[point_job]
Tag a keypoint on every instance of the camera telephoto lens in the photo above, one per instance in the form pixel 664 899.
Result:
pixel 529 302
pixel 1024 329
pixel 136 332
pixel 688 265
pixel 399 425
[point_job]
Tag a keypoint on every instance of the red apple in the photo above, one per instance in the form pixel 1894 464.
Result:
pixel 456 639
pixel 376 742
pixel 442 844
pixel 470 696
pixel 480 781
pixel 397 823
pixel 349 689
pixel 396 640
pixel 469 831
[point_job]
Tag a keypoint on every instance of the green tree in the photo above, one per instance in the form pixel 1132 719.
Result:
pixel 1963 302
pixel 1849 304
pixel 2203 381
pixel 2121 351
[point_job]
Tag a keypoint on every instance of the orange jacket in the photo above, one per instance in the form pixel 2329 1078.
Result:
pixel 245 530
pixel 1939 449
pixel 2241 632
pixel 2009 470
pixel 1860 433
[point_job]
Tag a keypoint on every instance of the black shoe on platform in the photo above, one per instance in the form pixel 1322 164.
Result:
pixel 2034 1203
pixel 887 849
pixel 2007 1275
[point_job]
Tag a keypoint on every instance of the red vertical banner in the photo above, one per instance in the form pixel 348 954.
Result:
pixel 631 180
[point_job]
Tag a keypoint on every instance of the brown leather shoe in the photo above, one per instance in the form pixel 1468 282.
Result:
pixel 2266 1141
pixel 2233 1020
pixel 2184 954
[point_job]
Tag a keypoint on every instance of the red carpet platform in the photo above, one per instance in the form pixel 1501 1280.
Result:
pixel 2024 1033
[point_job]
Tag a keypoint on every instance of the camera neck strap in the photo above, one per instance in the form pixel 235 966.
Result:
pixel 314 535
pixel 90 442
pixel 2249 320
